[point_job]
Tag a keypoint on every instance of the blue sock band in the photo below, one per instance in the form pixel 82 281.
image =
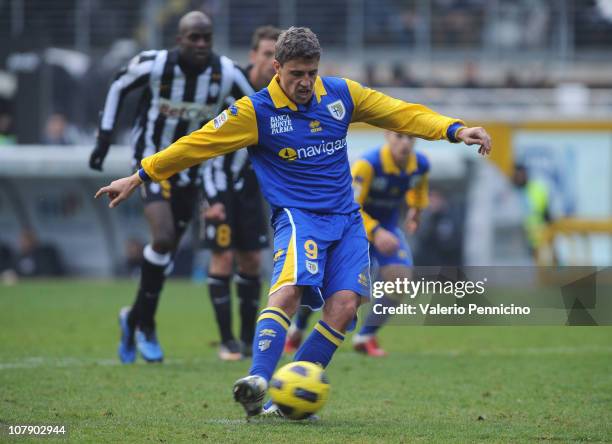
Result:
pixel 320 345
pixel 269 341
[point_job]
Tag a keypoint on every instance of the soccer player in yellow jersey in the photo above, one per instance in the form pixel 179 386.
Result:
pixel 299 124
pixel 383 179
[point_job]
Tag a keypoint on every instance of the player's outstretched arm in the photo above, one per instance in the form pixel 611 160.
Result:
pixel 383 111
pixel 134 76
pixel 120 189
pixel 230 131
pixel 475 136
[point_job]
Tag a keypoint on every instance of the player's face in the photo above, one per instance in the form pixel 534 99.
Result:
pixel 297 78
pixel 262 59
pixel 401 146
pixel 195 43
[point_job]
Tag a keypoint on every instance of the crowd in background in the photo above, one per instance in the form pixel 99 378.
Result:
pixel 61 47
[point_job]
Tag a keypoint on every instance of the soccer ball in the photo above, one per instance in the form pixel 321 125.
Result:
pixel 299 389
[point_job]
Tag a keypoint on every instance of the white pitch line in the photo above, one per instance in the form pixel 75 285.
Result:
pixel 49 362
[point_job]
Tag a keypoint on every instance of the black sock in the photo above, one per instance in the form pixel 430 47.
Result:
pixel 301 318
pixel 152 279
pixel 219 290
pixel 249 288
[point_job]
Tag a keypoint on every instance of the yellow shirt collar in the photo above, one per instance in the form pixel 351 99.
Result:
pixel 389 166
pixel 281 100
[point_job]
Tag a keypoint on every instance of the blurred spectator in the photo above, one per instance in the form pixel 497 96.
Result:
pixel 56 130
pixel 535 199
pixel 7 137
pixel 6 257
pixel 401 77
pixel 35 259
pixel 470 75
pixel 536 24
pixel 457 23
pixel 7 273
pixel 593 24
pixel 371 78
pixel 389 23
pixel 440 236
pixel 511 80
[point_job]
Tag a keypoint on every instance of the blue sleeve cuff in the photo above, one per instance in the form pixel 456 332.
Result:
pixel 452 130
pixel 143 175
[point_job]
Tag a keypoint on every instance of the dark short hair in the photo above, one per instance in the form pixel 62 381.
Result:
pixel 264 33
pixel 297 43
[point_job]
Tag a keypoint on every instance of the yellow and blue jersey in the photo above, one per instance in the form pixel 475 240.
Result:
pixel 380 187
pixel 299 152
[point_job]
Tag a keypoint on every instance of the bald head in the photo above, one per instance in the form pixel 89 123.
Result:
pixel 195 38
pixel 193 19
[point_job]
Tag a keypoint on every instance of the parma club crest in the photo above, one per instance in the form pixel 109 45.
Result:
pixel 337 110
pixel 312 267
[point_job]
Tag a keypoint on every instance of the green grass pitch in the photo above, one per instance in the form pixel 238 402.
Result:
pixel 58 365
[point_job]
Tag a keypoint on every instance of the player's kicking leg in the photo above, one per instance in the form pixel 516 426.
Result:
pixel 292 230
pixel 346 282
pixel 305 264
pixel 328 334
pixel 268 344
pixel 345 285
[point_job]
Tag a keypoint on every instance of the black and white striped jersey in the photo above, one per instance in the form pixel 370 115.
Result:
pixel 176 100
pixel 227 174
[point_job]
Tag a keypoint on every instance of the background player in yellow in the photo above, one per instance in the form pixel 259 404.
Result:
pixel 385 179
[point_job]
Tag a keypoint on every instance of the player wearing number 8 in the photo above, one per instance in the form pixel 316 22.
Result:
pixel 235 221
